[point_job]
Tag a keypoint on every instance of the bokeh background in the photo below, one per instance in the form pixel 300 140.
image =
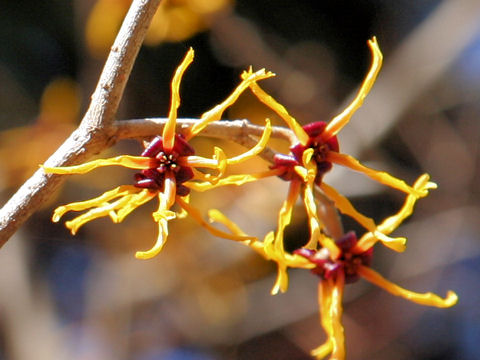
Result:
pixel 87 297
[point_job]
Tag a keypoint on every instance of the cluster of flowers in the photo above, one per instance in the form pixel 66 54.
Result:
pixel 170 170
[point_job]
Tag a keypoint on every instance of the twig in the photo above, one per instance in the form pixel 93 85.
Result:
pixel 238 131
pixel 96 128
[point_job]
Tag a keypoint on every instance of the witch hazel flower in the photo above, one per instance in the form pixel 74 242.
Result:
pixel 167 165
pixel 352 262
pixel 316 151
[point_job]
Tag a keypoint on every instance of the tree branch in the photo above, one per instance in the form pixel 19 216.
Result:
pixel 238 131
pixel 96 129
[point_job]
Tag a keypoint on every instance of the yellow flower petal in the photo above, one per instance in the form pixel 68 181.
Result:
pixel 232 180
pixel 330 295
pixel 169 129
pixel 316 235
pixel 346 207
pixel 380 176
pixel 339 121
pixel 301 135
pixel 428 298
pixel 338 337
pixel 135 201
pixel 158 246
pixel 281 283
pixel 422 185
pixel 107 209
pixel 195 214
pixel 132 162
pixel 215 215
pixel 95 202
pixel 198 161
pixel 391 223
pixel 257 149
pixel 285 215
pixel 216 113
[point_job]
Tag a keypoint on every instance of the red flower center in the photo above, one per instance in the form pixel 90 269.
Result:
pixel 166 162
pixel 320 147
pixel 347 262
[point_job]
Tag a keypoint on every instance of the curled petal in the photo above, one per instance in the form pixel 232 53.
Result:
pixel 135 201
pixel 161 216
pixel 302 172
pixel 222 164
pixel 106 209
pixel 132 162
pixel 285 216
pixel 380 176
pixel 336 310
pixel 198 161
pixel 330 295
pixel 346 207
pixel 168 134
pixel 95 202
pixel 300 133
pixel 215 215
pixel 166 199
pixel 316 236
pixel 182 214
pixel 218 162
pixel 271 252
pixel 232 180
pixel 195 214
pixel 338 122
pixel 216 113
pixel 391 223
pixel 263 248
pixel 281 283
pixel 158 246
pixel 428 298
pixel 257 149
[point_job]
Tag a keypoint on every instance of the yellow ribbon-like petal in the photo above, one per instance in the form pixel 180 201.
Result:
pixel 380 176
pixel 195 214
pixel 301 135
pixel 216 113
pixel 159 243
pixel 428 298
pixel 346 207
pixel 330 296
pixel 339 121
pixel 257 149
pixel 128 161
pixel 169 129
pixel 391 223
pixel 231 180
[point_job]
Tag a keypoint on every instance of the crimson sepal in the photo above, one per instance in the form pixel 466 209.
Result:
pixel 347 262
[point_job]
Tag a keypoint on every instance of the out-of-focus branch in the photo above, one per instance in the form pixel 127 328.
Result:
pixel 96 129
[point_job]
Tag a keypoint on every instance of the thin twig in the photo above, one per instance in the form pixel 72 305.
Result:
pixel 96 129
pixel 228 130
pixel 238 131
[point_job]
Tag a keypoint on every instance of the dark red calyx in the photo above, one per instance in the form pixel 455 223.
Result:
pixel 166 161
pixel 287 163
pixel 320 146
pixel 348 262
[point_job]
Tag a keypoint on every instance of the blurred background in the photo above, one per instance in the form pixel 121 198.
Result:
pixel 87 297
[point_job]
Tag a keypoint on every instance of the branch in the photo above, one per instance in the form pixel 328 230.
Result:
pixel 238 131
pixel 96 129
